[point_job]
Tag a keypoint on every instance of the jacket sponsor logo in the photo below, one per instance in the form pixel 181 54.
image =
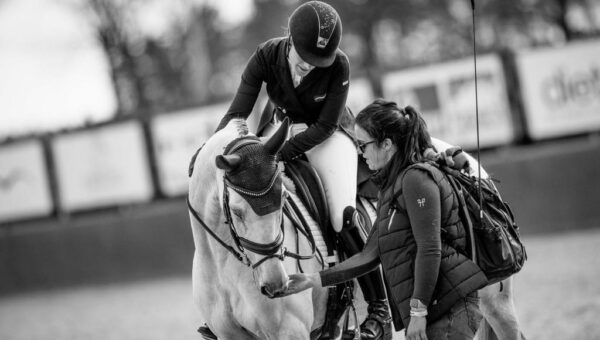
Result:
pixel 320 98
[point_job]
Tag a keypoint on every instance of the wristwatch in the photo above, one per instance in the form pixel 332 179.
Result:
pixel 417 308
pixel 417 304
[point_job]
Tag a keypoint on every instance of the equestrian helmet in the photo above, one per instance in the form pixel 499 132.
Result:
pixel 316 30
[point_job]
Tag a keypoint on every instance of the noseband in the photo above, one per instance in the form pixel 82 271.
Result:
pixel 269 250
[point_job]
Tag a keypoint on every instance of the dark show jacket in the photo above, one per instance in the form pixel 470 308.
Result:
pixel 319 101
pixel 418 250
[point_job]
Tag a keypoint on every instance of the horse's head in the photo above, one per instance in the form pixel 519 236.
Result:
pixel 252 203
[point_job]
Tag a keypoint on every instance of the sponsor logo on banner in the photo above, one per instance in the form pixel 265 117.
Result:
pixel 445 95
pixel 561 89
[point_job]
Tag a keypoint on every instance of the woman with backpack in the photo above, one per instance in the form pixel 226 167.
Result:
pixel 418 238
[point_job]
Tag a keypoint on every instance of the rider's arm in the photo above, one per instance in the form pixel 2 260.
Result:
pixel 362 263
pixel 329 117
pixel 247 92
pixel 422 200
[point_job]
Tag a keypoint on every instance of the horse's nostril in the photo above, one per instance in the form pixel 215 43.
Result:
pixel 266 291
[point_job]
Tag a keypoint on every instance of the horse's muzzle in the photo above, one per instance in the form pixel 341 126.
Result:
pixel 271 293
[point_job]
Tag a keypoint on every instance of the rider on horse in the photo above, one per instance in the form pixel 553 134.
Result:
pixel 307 80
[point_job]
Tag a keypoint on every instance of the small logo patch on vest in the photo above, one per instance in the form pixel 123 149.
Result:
pixel 421 202
pixel 320 98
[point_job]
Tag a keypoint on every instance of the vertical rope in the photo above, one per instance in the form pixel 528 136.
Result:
pixel 477 115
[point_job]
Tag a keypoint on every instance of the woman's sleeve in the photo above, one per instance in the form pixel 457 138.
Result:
pixel 248 90
pixel 423 205
pixel 360 264
pixel 329 117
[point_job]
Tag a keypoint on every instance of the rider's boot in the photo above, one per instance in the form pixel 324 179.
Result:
pixel 377 324
pixel 206 333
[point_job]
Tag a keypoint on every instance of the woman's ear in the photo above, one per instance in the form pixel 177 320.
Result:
pixel 387 144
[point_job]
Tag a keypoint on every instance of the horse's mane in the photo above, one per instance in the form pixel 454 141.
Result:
pixel 287 182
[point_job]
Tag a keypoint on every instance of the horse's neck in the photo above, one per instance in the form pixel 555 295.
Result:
pixel 206 186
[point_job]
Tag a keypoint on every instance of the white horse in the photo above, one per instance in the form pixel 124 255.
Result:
pixel 241 265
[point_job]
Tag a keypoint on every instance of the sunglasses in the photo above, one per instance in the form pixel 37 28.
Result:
pixel 362 145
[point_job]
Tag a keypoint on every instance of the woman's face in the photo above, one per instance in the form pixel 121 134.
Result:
pixel 301 67
pixel 376 155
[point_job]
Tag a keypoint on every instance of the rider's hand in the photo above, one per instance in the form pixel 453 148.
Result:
pixel 416 328
pixel 301 281
pixel 285 154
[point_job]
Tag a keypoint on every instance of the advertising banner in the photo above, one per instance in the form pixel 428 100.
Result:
pixel 445 95
pixel 24 186
pixel 360 94
pixel 105 166
pixel 560 88
pixel 176 137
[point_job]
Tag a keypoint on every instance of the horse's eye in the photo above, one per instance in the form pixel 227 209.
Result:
pixel 237 213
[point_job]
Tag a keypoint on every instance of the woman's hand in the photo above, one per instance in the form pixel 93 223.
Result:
pixel 302 281
pixel 416 328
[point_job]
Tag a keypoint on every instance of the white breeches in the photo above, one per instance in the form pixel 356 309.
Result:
pixel 335 160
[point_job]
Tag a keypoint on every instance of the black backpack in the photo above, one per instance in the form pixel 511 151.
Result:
pixel 492 234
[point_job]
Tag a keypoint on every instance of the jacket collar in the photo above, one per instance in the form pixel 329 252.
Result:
pixel 282 63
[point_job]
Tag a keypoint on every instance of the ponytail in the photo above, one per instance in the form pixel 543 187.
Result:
pixel 417 137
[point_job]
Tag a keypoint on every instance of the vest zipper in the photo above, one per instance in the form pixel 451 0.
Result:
pixel 391 219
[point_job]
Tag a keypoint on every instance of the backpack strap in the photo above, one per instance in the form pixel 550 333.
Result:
pixel 462 208
pixel 422 166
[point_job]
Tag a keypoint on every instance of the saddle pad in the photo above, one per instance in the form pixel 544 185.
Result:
pixel 309 189
pixel 315 230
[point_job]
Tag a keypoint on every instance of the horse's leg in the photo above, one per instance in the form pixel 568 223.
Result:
pixel 292 328
pixel 319 298
pixel 500 317
pixel 210 304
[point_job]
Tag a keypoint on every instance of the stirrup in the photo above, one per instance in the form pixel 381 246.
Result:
pixel 206 333
pixel 378 324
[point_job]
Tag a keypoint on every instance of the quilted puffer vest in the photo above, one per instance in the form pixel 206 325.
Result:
pixel 458 275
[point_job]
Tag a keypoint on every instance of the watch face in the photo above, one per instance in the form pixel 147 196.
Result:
pixel 414 303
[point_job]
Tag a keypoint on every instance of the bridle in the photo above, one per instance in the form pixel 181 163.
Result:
pixel 270 250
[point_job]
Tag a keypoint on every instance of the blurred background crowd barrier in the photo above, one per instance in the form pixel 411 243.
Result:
pixel 106 201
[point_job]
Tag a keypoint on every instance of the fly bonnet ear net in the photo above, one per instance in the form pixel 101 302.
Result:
pixel 257 178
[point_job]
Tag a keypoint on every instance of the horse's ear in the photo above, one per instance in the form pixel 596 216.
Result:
pixel 275 143
pixel 228 162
